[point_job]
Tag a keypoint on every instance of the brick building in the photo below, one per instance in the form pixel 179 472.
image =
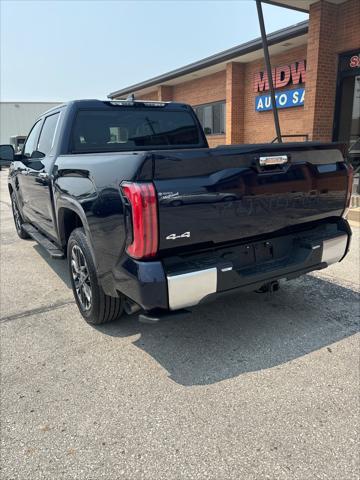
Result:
pixel 316 70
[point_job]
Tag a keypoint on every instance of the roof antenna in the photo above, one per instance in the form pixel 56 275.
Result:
pixel 130 98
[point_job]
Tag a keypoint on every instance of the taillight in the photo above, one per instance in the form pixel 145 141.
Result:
pixel 350 172
pixel 142 199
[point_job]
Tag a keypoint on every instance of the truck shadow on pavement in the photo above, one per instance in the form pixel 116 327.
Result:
pixel 60 267
pixel 247 332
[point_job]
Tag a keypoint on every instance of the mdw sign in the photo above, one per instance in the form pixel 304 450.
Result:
pixel 284 99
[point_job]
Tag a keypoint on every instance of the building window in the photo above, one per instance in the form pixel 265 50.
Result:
pixel 212 117
pixel 347 114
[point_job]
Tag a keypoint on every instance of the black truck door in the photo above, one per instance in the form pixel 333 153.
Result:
pixel 22 167
pixel 35 181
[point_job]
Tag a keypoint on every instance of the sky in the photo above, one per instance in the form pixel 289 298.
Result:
pixel 61 50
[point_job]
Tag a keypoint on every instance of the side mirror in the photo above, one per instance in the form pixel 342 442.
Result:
pixel 6 154
pixel 36 154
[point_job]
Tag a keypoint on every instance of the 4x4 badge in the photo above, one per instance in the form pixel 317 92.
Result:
pixel 173 236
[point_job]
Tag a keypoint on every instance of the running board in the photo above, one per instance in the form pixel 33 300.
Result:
pixel 49 246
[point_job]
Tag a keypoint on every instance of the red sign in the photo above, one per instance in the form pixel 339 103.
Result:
pixel 355 61
pixel 282 76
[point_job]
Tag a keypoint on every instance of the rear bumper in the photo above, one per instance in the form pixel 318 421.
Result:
pixel 186 281
pixel 190 289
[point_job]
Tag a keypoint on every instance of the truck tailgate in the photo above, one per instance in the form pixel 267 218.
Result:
pixel 211 196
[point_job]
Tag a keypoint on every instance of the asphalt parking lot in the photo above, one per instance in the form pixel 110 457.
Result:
pixel 251 387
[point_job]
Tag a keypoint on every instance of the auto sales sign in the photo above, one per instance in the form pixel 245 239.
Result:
pixel 283 76
pixel 285 99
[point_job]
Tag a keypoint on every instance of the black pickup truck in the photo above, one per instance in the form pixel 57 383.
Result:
pixel 150 218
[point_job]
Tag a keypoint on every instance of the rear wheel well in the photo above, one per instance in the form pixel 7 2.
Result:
pixel 69 220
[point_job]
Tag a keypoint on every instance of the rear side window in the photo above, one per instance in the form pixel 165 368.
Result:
pixel 47 134
pixel 133 129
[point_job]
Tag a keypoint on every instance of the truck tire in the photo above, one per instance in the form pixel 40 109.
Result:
pixel 94 305
pixel 18 218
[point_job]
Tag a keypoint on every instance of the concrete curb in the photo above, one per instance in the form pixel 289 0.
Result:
pixel 354 216
pixel 355 201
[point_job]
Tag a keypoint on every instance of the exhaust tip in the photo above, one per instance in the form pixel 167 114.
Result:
pixel 131 307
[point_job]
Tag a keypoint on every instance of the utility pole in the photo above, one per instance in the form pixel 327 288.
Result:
pixel 268 69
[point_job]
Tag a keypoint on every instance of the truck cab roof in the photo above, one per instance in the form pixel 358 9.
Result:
pixel 94 103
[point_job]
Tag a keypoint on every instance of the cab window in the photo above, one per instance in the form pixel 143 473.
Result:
pixel 140 128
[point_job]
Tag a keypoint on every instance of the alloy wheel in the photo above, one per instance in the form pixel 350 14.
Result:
pixel 81 278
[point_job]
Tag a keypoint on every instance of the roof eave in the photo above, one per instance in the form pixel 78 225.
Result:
pixel 282 5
